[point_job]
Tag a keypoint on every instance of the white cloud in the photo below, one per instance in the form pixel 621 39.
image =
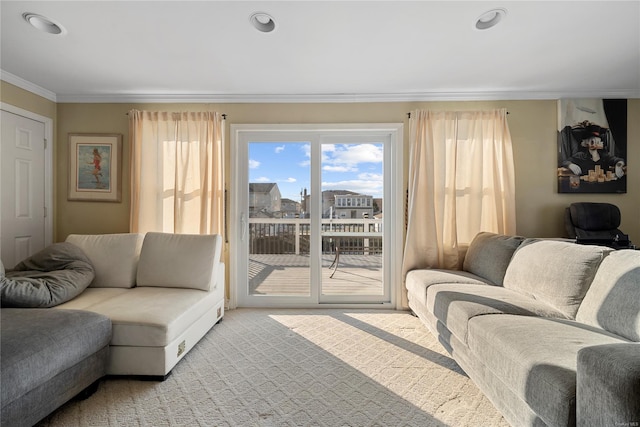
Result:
pixel 339 169
pixel 288 180
pixel 328 148
pixel 279 149
pixel 370 176
pixel 262 179
pixel 254 164
pixel 351 155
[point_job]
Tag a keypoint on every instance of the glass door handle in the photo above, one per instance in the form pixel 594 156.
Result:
pixel 243 226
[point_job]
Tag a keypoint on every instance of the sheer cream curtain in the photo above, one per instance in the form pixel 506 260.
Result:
pixel 461 182
pixel 177 172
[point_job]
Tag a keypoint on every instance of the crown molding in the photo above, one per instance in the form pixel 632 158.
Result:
pixel 308 98
pixel 28 86
pixel 341 97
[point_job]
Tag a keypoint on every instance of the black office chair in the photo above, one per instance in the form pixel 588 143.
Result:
pixel 595 223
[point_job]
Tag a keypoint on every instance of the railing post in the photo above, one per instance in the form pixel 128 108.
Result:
pixel 297 237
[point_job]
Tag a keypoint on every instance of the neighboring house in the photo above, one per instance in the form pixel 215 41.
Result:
pixel 329 202
pixel 290 208
pixel 377 206
pixel 264 200
pixel 345 204
pixel 353 206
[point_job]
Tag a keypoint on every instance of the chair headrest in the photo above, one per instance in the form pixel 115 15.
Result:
pixel 595 216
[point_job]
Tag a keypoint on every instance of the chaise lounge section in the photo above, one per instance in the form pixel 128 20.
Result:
pixel 162 292
pixel 150 299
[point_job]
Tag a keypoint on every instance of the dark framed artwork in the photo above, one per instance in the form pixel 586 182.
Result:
pixel 95 167
pixel 592 146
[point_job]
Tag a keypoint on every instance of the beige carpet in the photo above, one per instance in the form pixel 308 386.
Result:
pixel 321 367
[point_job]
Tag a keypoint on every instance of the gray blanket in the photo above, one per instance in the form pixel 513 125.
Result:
pixel 56 274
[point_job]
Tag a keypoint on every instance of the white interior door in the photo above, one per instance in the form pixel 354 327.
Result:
pixel 22 210
pixel 296 239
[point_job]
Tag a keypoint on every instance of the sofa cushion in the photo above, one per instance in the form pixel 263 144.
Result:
pixel 489 254
pixel 536 358
pixel 148 316
pixel 558 273
pixel 419 281
pixel 40 343
pixel 114 257
pixel 613 300
pixel 179 260
pixel 92 297
pixel 456 304
pixel 49 277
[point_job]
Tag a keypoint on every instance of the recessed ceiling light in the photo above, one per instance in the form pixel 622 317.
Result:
pixel 262 22
pixel 43 23
pixel 490 18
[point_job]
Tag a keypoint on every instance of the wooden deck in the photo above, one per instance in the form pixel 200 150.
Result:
pixel 290 275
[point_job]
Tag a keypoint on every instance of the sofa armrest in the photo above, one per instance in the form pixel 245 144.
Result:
pixel 608 385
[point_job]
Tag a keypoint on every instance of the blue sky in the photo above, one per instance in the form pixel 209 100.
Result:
pixel 355 167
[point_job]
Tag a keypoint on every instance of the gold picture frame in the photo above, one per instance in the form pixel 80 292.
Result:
pixel 95 167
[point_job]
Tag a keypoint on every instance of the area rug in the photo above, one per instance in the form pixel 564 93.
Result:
pixel 286 367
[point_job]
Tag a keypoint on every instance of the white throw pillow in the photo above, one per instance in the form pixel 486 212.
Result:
pixel 179 260
pixel 114 257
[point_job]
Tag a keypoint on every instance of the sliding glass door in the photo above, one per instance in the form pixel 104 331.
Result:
pixel 277 240
pixel 312 217
pixel 351 231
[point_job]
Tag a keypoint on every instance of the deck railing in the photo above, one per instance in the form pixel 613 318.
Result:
pixel 292 236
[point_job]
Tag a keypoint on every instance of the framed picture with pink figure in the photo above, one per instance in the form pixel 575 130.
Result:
pixel 95 167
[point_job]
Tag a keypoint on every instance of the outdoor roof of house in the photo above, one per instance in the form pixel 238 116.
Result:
pixel 261 187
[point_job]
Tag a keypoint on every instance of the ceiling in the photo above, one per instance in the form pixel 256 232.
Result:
pixel 321 51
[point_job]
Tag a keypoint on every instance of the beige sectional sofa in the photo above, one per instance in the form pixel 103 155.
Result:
pixel 95 305
pixel 549 330
pixel 162 292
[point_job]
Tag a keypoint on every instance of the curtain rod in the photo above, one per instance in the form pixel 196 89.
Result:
pixel 224 115
pixel 409 114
